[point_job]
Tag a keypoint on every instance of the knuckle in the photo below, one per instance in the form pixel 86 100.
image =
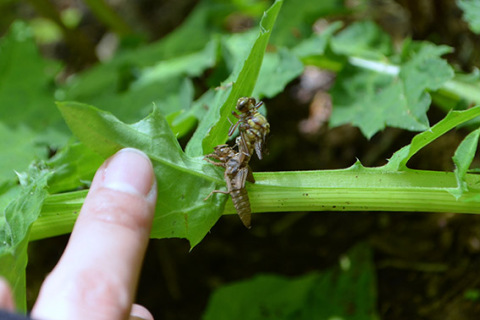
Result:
pixel 116 208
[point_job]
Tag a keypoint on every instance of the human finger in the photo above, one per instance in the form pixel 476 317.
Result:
pixel 140 312
pixel 97 275
pixel 6 298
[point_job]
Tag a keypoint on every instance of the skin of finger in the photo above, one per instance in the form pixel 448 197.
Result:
pixel 140 312
pixel 6 298
pixel 97 275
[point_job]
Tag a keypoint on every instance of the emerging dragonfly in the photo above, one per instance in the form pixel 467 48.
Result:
pixel 237 172
pixel 253 126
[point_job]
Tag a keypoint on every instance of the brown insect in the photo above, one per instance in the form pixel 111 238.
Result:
pixel 253 126
pixel 237 172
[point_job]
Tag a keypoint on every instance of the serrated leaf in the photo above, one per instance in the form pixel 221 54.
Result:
pixel 181 210
pixel 376 98
pixel 462 159
pixel 453 119
pixel 346 291
pixel 471 13
pixel 214 129
pixel 16 219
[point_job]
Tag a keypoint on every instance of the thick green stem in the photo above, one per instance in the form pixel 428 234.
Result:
pixel 362 189
pixel 419 191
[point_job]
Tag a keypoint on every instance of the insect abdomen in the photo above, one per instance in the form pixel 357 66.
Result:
pixel 242 205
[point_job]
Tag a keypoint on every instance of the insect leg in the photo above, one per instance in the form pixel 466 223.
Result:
pixel 244 146
pixel 233 126
pixel 215 191
pixel 218 164
pixel 258 105
pixel 250 177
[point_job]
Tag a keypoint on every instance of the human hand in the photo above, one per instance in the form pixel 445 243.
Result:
pixel 97 275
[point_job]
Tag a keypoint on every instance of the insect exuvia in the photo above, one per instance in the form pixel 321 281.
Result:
pixel 237 172
pixel 253 126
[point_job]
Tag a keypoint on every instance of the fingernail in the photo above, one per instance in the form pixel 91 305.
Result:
pixel 129 170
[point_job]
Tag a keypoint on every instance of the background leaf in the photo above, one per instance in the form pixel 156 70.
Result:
pixel 346 291
pixel 453 119
pixel 363 39
pixel 471 13
pixel 26 82
pixel 297 17
pixel 376 98
pixel 140 69
pixel 283 66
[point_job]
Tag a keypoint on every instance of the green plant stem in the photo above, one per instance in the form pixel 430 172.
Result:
pixel 59 213
pixel 364 189
pixel 463 90
pixel 367 190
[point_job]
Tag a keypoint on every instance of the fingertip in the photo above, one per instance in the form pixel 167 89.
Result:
pixel 129 171
pixel 6 298
pixel 140 313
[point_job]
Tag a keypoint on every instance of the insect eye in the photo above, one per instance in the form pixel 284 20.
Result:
pixel 242 104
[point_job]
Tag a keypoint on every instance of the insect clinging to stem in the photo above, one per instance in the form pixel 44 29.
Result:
pixel 237 172
pixel 252 125
pixel 253 128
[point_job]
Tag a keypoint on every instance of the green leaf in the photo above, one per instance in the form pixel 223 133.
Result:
pixel 471 13
pixel 26 82
pixel 317 43
pixel 72 167
pixel 181 210
pixel 29 121
pixel 16 218
pixel 363 39
pixel 453 119
pixel 164 84
pixel 214 129
pixel 346 291
pixel 19 149
pixel 371 95
pixel 277 70
pixel 182 47
pixel 463 159
pixel 297 17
